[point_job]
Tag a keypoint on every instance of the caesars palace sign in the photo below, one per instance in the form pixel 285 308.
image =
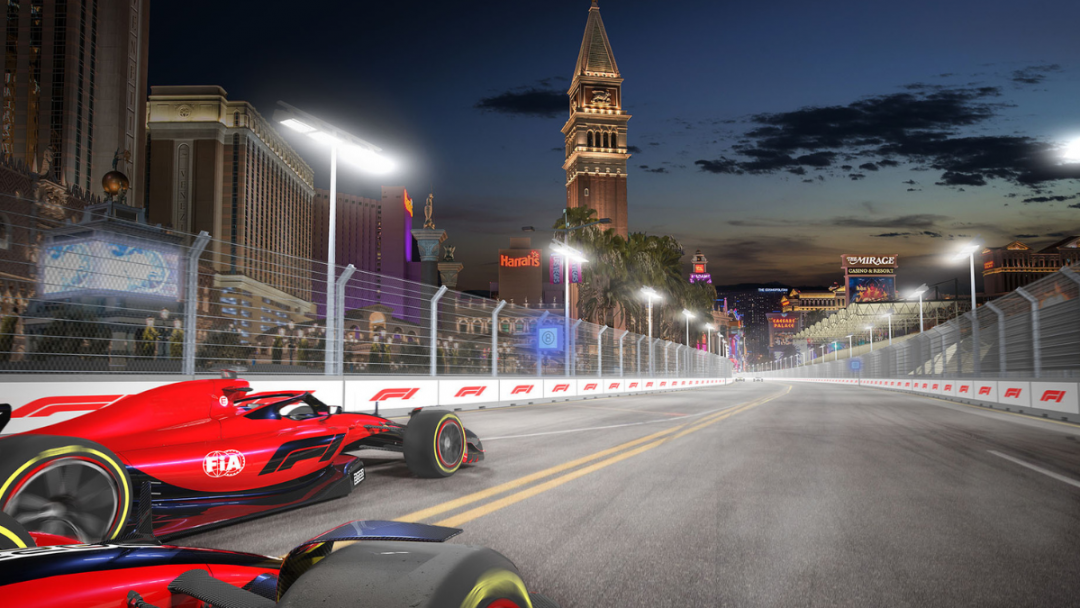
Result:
pixel 869 264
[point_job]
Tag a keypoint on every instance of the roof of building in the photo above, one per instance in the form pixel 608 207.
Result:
pixel 1069 242
pixel 595 57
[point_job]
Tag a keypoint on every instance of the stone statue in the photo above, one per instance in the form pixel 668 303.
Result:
pixel 449 257
pixel 47 161
pixel 428 223
pixel 118 156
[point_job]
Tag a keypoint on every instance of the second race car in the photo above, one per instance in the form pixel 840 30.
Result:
pixel 213 452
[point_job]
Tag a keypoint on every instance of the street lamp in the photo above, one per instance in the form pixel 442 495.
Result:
pixel 888 316
pixel 870 328
pixel 708 337
pixel 353 150
pixel 689 315
pixel 918 292
pixel 849 347
pixel 969 252
pixel 650 295
pixel 836 351
pixel 568 253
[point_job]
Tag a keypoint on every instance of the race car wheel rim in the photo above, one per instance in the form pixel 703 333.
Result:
pixel 450 444
pixel 68 497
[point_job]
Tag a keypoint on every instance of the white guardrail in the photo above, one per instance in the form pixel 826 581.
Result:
pixel 1048 398
pixel 37 403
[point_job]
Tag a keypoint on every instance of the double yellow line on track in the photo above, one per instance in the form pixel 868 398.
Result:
pixel 604 459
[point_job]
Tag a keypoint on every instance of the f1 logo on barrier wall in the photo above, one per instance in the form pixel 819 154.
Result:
pixel 948 387
pixel 984 390
pixel 471 390
pixel 648 385
pixel 633 385
pixel 521 388
pixel 1055 396
pixel 395 393
pixel 1013 393
pixel 590 386
pixel 964 388
pixel 613 386
pixel 560 388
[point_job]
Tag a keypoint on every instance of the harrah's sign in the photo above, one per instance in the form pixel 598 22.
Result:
pixel 532 259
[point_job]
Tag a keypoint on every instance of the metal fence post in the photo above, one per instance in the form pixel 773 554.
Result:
pixel 944 355
pixel 667 345
pixel 539 357
pixel 339 322
pixel 1001 335
pixel 637 349
pixel 191 305
pixel 573 350
pixel 976 348
pixel 1075 278
pixel 1035 346
pixel 600 351
pixel 622 371
pixel 434 356
pixel 677 348
pixel 495 338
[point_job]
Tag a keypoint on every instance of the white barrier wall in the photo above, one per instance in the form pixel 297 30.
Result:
pixel 1049 396
pixel 41 403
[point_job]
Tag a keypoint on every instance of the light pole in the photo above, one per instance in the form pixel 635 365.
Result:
pixel 708 337
pixel 870 328
pixel 919 291
pixel 353 150
pixel 836 351
pixel 689 315
pixel 650 295
pixel 969 252
pixel 849 347
pixel 888 316
pixel 568 253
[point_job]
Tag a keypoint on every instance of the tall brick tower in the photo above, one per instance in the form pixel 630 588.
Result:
pixel 595 134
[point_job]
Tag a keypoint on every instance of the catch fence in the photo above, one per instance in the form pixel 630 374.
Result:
pixel 1033 332
pixel 100 291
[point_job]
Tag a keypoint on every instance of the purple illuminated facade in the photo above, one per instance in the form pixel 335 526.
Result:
pixel 374 235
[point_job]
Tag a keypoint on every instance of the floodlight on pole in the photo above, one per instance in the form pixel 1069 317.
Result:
pixel 918 292
pixel 355 151
pixel 870 328
pixel 969 252
pixel 708 337
pixel 888 316
pixel 849 347
pixel 650 294
pixel 689 315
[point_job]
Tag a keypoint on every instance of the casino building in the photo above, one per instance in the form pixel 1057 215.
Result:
pixel 595 133
pixel 1016 264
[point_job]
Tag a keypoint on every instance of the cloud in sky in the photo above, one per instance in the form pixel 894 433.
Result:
pixel 925 127
pixel 1049 199
pixel 653 170
pixel 527 101
pixel 1034 74
pixel 918 221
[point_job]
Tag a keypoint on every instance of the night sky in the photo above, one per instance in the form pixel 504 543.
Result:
pixel 773 136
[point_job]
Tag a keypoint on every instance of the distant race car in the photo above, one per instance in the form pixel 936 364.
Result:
pixel 759 379
pixel 213 451
pixel 362 563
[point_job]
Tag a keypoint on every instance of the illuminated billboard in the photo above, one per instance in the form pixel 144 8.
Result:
pixel 521 276
pixel 871 289
pixel 111 265
pixel 782 329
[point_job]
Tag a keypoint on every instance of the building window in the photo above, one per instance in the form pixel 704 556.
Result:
pixel 589 140
pixel 586 192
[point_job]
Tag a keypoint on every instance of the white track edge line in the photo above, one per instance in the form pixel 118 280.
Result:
pixel 1037 469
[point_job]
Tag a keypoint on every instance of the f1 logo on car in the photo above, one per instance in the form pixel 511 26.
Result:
pixel 395 393
pixel 522 388
pixel 1012 393
pixel 470 390
pixel 984 390
pixel 291 452
pixel 560 388
pixel 590 386
pixel 1055 396
pixel 223 463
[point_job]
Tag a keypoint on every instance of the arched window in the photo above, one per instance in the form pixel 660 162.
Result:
pixel 605 140
pixel 589 140
pixel 586 192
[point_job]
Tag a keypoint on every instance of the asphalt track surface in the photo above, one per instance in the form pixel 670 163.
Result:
pixel 753 494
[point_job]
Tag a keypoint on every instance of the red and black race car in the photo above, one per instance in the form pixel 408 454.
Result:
pixel 213 452
pixel 362 563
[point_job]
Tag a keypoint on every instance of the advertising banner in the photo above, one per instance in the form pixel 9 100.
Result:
pixel 96 267
pixel 871 289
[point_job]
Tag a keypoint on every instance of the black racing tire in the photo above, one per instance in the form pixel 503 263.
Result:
pixel 12 535
pixel 434 443
pixel 395 574
pixel 65 486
